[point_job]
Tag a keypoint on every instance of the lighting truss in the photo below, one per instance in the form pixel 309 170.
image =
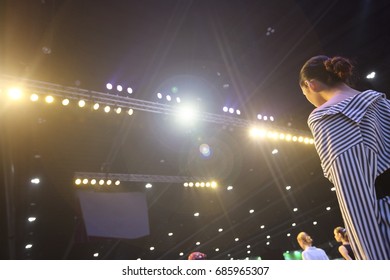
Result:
pixel 75 93
pixel 137 177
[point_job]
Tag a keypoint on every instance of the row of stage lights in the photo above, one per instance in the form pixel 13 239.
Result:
pixel 119 88
pixel 212 184
pixel 95 182
pixel 109 182
pixel 15 93
pixel 262 133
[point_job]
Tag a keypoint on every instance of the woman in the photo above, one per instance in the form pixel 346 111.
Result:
pixel 351 132
pixel 345 250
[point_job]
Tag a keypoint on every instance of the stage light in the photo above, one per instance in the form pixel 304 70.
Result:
pixel 77 181
pixel 238 112
pixel 109 86
pixel 65 102
pixel 101 182
pixel 129 90
pixel 186 114
pixel 178 100
pixel 107 109
pixel 81 103
pixel 96 106
pixel 159 95
pixel 315 223
pixel 148 186
pixel 85 181
pixel 262 226
pixel 371 75
pixel 96 255
pixel 220 230
pixel 236 239
pixel 196 214
pixel 152 248
pixel 231 110
pixel 118 110
pixel 169 98
pixel 288 188
pixel 225 109
pixel 197 243
pixel 117 183
pixel 251 211
pixel 31 219
pixel 15 93
pixel 119 88
pixel 28 246
pixel 34 97
pixel 109 182
pixel 181 254
pixel 295 209
pixel 229 188
pixel 93 182
pixel 170 234
pixel 49 99
pixel 35 181
pixel 214 184
pixel 130 112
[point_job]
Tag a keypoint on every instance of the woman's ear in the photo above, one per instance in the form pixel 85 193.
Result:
pixel 314 85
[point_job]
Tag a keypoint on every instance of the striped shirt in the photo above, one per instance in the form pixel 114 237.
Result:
pixel 352 138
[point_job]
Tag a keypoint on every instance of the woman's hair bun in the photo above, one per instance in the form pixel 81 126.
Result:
pixel 339 66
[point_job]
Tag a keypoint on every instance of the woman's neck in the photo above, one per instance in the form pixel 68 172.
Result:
pixel 337 94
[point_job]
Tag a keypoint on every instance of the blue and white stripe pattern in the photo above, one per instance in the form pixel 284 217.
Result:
pixel 352 139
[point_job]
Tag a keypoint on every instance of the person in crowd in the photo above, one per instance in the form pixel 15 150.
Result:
pixel 351 131
pixel 310 252
pixel 197 256
pixel 345 250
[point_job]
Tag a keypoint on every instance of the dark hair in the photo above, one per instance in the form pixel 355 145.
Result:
pixel 328 70
pixel 343 233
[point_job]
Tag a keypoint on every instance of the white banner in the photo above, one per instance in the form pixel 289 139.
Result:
pixel 185 269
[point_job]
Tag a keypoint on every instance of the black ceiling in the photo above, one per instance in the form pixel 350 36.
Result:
pixel 215 53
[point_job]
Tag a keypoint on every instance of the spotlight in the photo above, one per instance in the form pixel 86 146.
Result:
pixel 34 97
pixel 49 99
pixel 81 103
